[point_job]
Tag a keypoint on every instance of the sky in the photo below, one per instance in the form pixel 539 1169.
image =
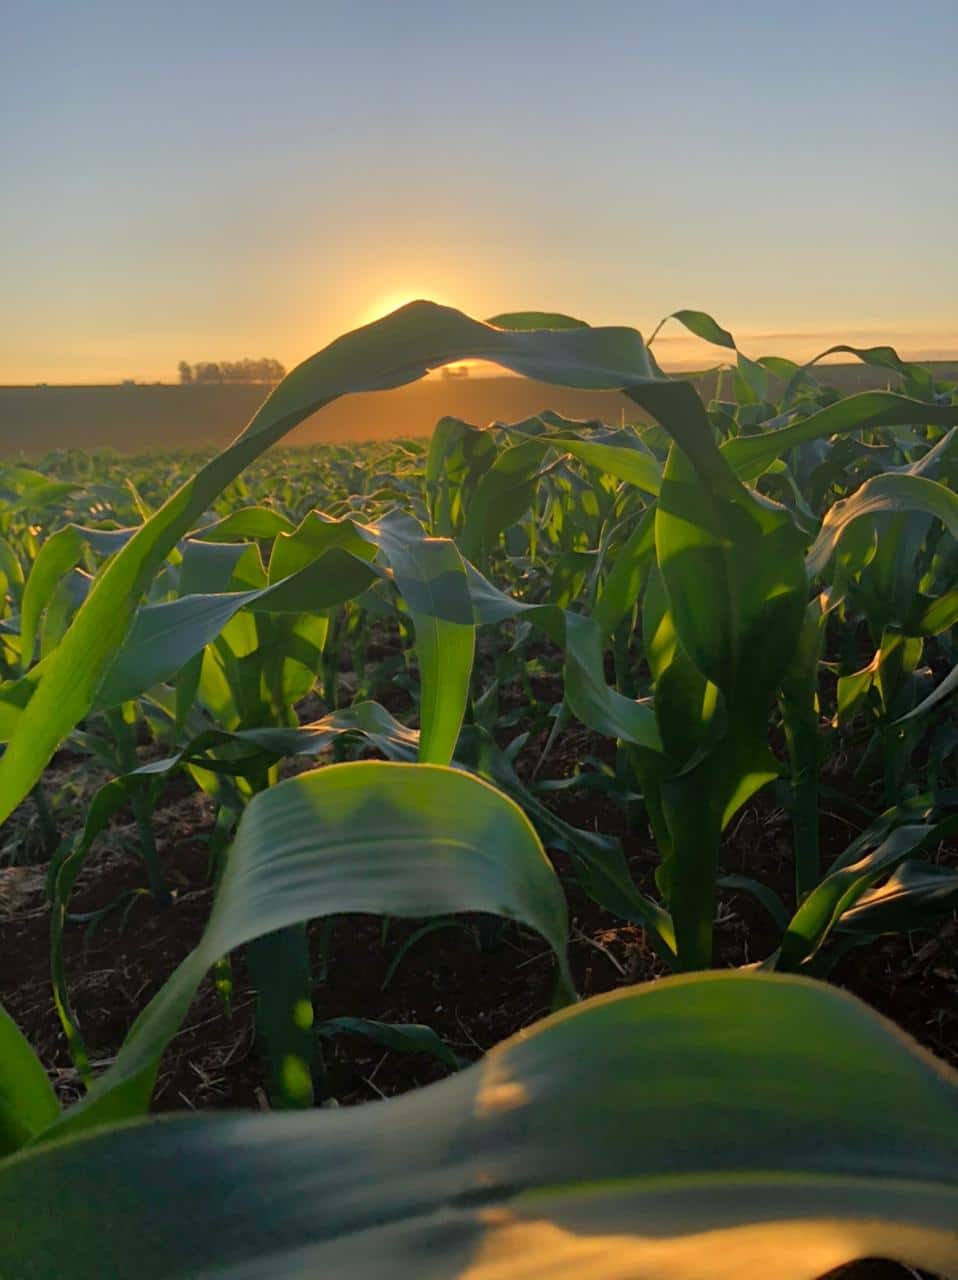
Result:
pixel 222 180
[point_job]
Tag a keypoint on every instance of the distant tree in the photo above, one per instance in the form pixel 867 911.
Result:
pixel 246 370
pixel 270 370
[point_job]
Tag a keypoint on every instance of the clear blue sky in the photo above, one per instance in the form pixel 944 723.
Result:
pixel 226 179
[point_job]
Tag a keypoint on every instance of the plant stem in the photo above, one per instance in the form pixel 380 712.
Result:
pixel 49 834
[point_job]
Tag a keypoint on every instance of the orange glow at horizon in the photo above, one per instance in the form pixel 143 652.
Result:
pixel 386 303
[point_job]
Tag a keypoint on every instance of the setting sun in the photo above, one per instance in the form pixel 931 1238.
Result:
pixel 386 303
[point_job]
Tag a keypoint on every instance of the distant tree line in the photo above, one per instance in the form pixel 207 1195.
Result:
pixel 263 370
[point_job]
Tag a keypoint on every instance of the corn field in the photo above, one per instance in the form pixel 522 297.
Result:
pixel 485 683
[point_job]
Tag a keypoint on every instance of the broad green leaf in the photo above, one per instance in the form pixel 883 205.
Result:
pixel 247 522
pixel 898 656
pixel 853 690
pixel 842 889
pixel 751 377
pixel 735 581
pixel 405 1037
pixel 798 698
pixel 659 1132
pixel 937 695
pixel 522 321
pixel 889 492
pixel 751 380
pixel 68 595
pixel 27 1101
pixel 502 496
pixel 762 894
pixel 685 701
pixel 313 537
pixel 49 493
pixel 445 651
pixel 249 750
pixel 206 568
pixel 54 560
pixel 459 454
pixel 431 577
pixel 779 367
pixel 374 837
pixel 702 325
pixel 11 570
pixel 20 480
pixel 885 590
pixel 913 897
pixel 679 408
pixel 623 585
pixel 877 357
pixel 938 615
pixel 632 465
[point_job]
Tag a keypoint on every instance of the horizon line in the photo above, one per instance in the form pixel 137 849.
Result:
pixel 480 372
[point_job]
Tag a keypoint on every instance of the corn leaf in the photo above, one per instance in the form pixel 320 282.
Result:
pixel 882 494
pixel 843 888
pixel 27 1101
pixel 749 456
pixel 374 837
pixel 690 1128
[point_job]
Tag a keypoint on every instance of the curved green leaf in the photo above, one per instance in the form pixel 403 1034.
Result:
pixel 502 495
pixel 27 1101
pixel 404 1037
pixel 938 694
pixel 842 889
pixel 247 522
pixel 58 555
pixel 877 357
pixel 374 837
pixel 431 577
pixel 890 492
pixel 623 585
pixel 522 321
pixel 702 325
pixel 735 582
pixel 913 897
pixel 647 1133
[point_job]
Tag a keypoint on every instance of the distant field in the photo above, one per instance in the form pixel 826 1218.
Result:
pixel 134 419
